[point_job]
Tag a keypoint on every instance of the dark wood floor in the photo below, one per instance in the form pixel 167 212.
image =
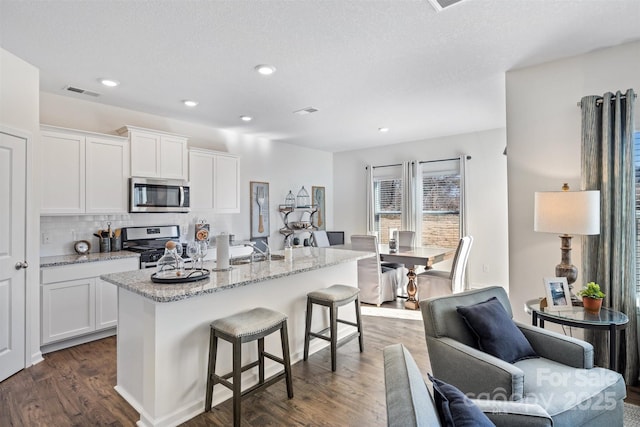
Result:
pixel 74 387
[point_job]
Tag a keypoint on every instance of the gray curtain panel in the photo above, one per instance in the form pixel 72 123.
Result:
pixel 610 258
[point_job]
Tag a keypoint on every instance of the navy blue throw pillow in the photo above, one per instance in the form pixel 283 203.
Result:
pixel 455 409
pixel 496 332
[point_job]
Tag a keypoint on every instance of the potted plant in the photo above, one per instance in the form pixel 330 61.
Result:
pixel 591 297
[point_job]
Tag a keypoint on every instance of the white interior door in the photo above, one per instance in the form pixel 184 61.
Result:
pixel 12 253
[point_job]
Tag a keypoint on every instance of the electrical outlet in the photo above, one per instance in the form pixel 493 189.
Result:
pixel 485 268
pixel 46 238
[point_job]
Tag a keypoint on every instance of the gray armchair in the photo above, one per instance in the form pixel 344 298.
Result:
pixel 562 380
pixel 409 403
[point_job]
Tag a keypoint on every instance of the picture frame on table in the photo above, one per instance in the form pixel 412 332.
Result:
pixel 558 294
pixel 259 202
pixel 317 199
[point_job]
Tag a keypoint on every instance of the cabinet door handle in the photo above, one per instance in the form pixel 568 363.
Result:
pixel 21 264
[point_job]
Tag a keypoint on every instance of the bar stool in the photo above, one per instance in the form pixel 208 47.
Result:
pixel 241 328
pixel 333 297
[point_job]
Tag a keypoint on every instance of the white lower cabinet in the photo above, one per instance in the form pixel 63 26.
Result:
pixel 68 309
pixel 106 304
pixel 78 306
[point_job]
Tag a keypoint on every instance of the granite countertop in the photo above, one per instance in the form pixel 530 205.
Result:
pixel 58 260
pixel 303 260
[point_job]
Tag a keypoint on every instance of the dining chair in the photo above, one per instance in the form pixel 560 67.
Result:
pixel 432 283
pixel 404 238
pixel 377 284
pixel 320 239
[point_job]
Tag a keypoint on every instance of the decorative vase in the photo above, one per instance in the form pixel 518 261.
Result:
pixel 592 305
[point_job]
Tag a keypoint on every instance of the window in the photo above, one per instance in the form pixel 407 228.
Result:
pixel 388 205
pixel 441 208
pixel 437 214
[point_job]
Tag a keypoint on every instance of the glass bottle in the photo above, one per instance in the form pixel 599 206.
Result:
pixel 302 200
pixel 288 249
pixel 171 264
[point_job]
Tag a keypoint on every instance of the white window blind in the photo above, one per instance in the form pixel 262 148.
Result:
pixel 441 203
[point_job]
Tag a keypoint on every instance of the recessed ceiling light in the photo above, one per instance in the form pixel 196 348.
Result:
pixel 265 69
pixel 190 103
pixel 383 130
pixel 109 82
pixel 246 118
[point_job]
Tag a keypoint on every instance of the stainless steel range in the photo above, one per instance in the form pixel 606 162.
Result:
pixel 150 242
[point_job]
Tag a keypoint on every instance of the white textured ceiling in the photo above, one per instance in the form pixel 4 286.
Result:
pixel 362 64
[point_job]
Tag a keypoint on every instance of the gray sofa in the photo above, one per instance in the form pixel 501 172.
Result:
pixel 410 404
pixel 562 380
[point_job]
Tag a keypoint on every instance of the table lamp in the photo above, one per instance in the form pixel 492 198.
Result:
pixel 568 213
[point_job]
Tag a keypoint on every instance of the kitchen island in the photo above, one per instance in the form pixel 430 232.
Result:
pixel 163 329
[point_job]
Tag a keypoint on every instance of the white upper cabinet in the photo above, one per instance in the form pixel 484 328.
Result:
pixel 83 172
pixel 145 154
pixel 156 154
pixel 63 173
pixel 214 180
pixel 107 173
pixel 173 157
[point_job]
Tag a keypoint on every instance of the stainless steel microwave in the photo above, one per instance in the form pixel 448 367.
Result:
pixel 158 195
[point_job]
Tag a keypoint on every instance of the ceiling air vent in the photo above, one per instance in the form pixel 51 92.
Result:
pixel 305 111
pixel 439 5
pixel 82 91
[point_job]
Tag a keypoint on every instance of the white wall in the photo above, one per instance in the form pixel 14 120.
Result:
pixel 486 197
pixel 19 87
pixel 543 133
pixel 285 167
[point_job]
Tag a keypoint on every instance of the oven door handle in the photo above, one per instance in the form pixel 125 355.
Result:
pixel 181 197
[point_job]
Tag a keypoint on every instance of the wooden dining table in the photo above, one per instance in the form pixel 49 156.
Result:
pixel 412 257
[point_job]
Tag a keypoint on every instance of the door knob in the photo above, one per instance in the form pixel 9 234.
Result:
pixel 21 264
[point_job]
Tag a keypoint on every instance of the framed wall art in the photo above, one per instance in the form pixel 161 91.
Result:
pixel 317 198
pixel 259 202
pixel 558 295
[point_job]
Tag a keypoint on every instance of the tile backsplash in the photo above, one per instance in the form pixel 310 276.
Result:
pixel 61 232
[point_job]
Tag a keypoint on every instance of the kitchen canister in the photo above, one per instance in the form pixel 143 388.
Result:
pixel 105 244
pixel 116 244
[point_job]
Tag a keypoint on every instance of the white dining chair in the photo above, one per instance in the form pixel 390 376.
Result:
pixel 404 238
pixel 320 239
pixel 377 284
pixel 433 283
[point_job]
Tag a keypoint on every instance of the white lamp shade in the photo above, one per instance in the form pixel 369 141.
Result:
pixel 567 212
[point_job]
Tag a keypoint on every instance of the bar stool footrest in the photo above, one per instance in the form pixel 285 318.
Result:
pixel 347 322
pixel 348 338
pixel 259 386
pixel 320 335
pixel 242 369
